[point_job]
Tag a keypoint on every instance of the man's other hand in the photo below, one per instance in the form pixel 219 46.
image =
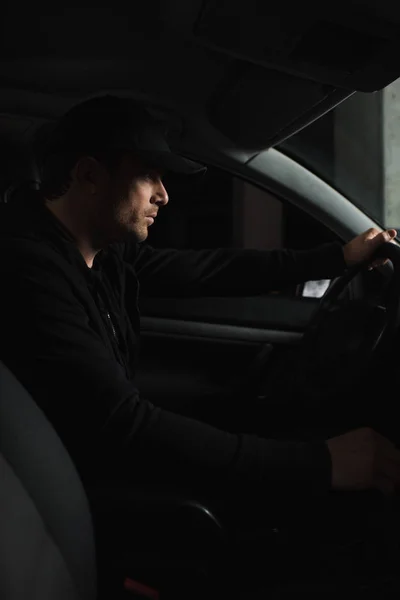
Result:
pixel 363 459
pixel 363 246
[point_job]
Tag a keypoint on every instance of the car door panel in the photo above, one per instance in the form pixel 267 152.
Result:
pixel 272 312
pixel 192 347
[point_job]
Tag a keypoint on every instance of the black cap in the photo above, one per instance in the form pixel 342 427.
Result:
pixel 113 123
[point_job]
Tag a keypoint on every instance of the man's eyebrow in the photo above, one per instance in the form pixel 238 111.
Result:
pixel 152 169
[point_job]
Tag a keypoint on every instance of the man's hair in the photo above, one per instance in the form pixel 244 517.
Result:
pixel 56 171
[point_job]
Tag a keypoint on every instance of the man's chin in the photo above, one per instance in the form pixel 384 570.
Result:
pixel 140 234
pixel 124 234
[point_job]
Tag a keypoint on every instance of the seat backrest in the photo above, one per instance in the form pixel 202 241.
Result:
pixel 46 537
pixel 19 162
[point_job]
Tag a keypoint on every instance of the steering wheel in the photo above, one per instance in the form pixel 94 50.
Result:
pixel 362 323
pixel 356 319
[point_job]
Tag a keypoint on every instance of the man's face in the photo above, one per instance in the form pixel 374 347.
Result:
pixel 129 201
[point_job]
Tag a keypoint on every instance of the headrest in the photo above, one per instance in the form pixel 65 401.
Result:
pixel 19 166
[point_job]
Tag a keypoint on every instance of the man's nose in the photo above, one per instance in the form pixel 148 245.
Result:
pixel 161 194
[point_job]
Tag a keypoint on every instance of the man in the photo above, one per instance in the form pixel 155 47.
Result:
pixel 71 264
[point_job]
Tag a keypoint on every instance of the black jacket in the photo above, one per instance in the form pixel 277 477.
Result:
pixel 69 333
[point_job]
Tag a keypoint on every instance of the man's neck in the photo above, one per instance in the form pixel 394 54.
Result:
pixel 61 209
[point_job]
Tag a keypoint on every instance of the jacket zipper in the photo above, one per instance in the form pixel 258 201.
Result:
pixel 117 349
pixel 112 326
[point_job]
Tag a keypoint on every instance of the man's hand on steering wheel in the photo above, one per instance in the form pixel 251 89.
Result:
pixel 347 329
pixel 362 247
pixel 362 458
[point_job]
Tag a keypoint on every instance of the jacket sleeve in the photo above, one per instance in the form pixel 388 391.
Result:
pixel 230 272
pixel 48 342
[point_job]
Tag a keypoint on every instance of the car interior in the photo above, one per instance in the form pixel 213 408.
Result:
pixel 233 81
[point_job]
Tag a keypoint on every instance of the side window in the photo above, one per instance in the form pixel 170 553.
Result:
pixel 220 211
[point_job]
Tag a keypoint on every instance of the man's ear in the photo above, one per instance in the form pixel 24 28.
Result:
pixel 89 174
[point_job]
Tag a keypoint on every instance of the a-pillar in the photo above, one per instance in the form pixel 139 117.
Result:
pixel 367 152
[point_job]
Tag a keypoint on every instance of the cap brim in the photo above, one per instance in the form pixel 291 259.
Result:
pixel 173 163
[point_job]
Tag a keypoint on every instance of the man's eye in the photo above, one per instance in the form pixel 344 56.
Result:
pixel 152 176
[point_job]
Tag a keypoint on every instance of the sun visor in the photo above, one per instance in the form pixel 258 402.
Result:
pixel 353 45
pixel 258 108
pixel 291 67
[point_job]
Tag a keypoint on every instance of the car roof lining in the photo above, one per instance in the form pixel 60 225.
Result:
pixel 209 61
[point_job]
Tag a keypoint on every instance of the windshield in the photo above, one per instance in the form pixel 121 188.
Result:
pixel 356 149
